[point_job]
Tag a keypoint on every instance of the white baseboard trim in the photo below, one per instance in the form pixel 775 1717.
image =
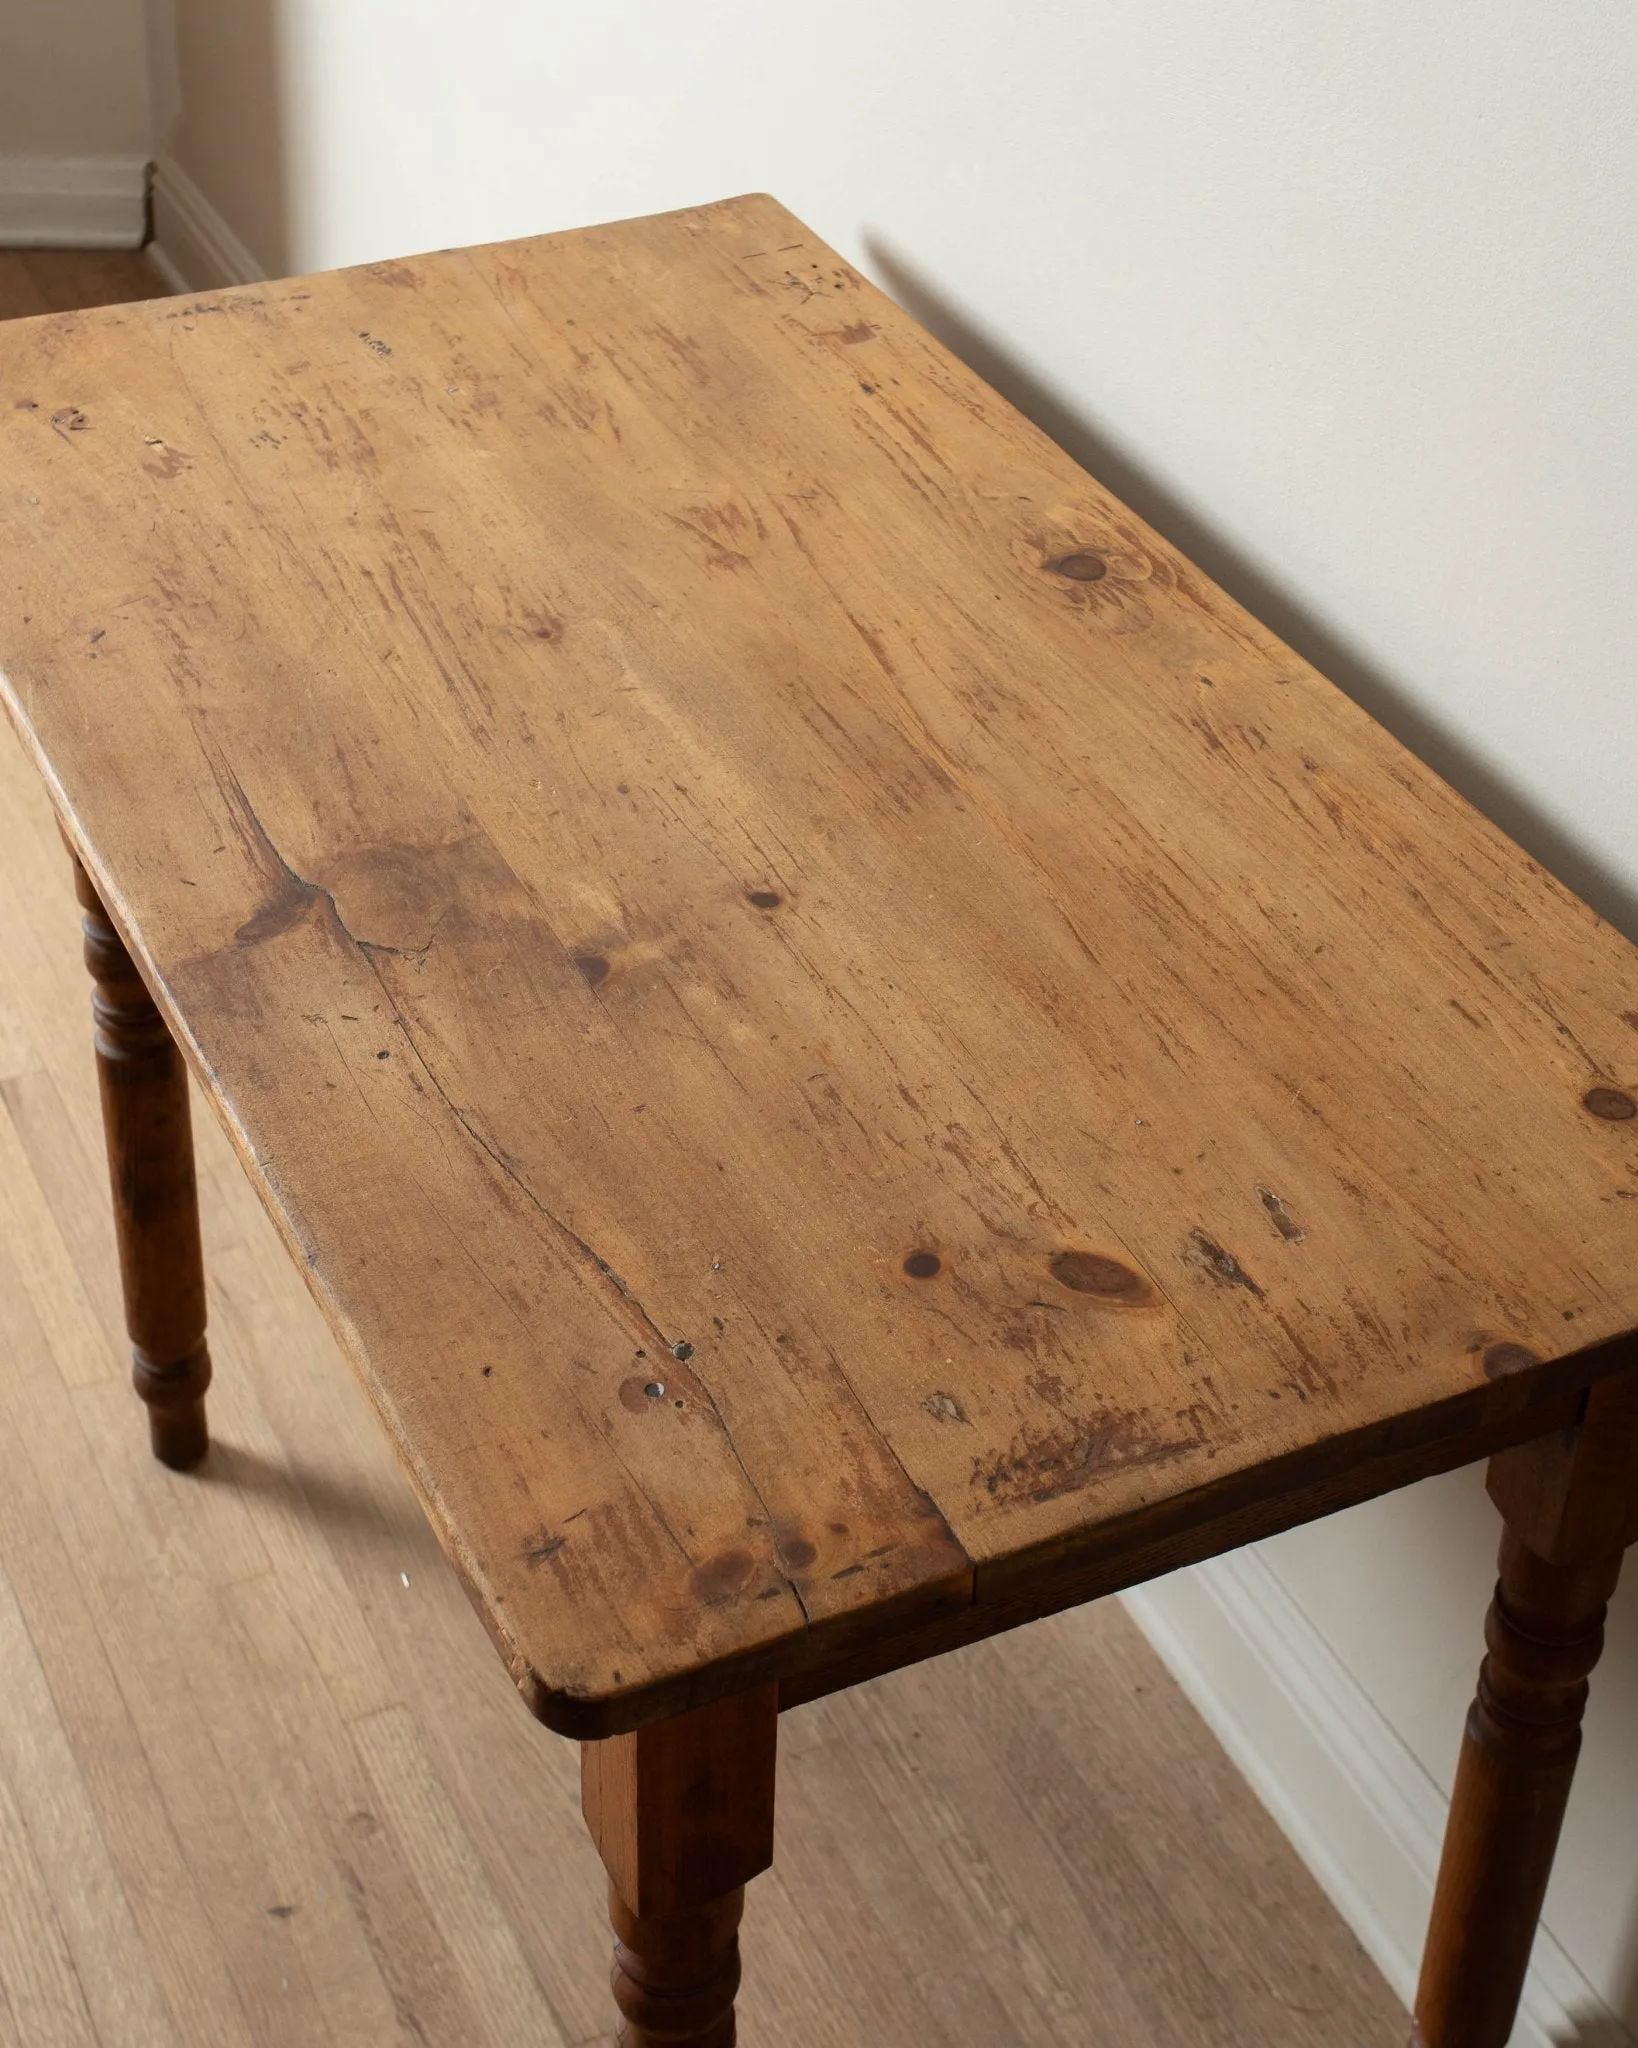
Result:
pixel 73 202
pixel 193 248
pixel 1346 1791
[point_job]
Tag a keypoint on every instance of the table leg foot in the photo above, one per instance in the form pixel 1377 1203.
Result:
pixel 156 1206
pixel 1569 1506
pixel 682 1814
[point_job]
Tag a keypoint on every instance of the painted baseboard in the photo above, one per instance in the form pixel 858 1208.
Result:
pixel 73 202
pixel 193 248
pixel 1346 1791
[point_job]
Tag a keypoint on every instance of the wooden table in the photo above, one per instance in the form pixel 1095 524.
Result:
pixel 853 1053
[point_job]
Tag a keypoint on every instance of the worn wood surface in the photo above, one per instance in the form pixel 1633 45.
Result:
pixel 834 1029
pixel 257 1792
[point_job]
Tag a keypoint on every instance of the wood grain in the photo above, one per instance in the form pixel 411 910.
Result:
pixel 1570 1504
pixel 273 1797
pixel 149 1137
pixel 1545 1633
pixel 269 1796
pixel 682 1813
pixel 693 850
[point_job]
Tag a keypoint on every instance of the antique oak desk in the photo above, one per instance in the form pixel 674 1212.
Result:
pixel 853 1053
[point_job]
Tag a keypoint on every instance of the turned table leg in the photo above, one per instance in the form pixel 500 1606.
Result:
pixel 1568 1502
pixel 156 1207
pixel 682 1814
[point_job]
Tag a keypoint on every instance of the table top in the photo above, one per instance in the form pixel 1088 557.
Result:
pixel 833 1027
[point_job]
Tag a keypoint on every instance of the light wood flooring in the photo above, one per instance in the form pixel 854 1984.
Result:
pixel 59 280
pixel 262 1779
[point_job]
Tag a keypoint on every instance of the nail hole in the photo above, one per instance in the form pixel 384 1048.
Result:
pixel 655 1390
pixel 944 1407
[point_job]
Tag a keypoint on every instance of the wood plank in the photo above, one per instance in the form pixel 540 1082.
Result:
pixel 16 1053
pixel 498 1983
pixel 50 1578
pixel 79 1340
pixel 52 1811
pixel 408 1953
pixel 60 280
pixel 693 849
pixel 37 1972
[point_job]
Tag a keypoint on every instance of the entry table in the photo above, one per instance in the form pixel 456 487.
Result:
pixel 852 1052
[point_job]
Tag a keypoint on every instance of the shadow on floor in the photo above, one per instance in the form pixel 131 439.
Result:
pixel 1594 2033
pixel 1206 545
pixel 310 1495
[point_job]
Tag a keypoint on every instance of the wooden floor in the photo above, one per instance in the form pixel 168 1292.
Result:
pixel 262 1779
pixel 58 280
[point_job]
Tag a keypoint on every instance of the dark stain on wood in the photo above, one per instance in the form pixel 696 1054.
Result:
pixel 721 1577
pixel 1209 1257
pixel 1613 1105
pixel 1501 1360
pixel 292 901
pixel 1082 566
pixel 1104 1279
pixel 1043 1468
pixel 923 1265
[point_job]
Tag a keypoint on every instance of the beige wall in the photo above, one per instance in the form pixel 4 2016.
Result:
pixel 73 79
pixel 220 111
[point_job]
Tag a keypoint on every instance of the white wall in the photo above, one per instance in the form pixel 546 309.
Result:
pixel 74 125
pixel 1343 298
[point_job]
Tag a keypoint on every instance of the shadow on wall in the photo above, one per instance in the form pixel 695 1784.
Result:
pixel 1627 2004
pixel 222 94
pixel 1600 2033
pixel 1368 686
pixel 1206 546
